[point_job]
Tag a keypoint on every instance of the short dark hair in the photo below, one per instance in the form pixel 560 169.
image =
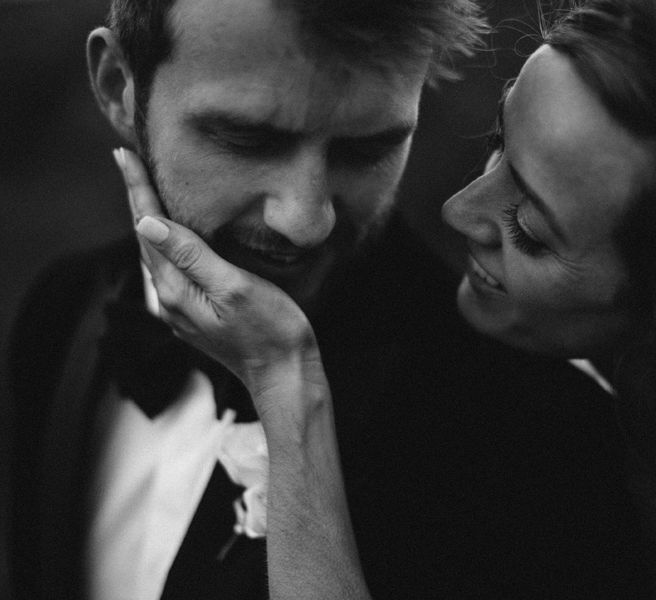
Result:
pixel 356 29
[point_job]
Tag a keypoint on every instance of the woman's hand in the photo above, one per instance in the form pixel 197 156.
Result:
pixel 257 331
pixel 241 320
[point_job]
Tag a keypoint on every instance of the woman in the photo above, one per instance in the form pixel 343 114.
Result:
pixel 557 256
pixel 560 229
pixel 561 243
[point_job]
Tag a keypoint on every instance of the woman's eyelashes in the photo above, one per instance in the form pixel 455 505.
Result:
pixel 520 238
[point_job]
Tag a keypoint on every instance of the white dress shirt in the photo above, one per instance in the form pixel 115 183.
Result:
pixel 151 476
pixel 153 472
pixel 583 364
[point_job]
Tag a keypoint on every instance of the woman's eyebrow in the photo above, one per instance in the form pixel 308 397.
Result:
pixel 530 194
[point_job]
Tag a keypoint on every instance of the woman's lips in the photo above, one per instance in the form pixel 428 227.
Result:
pixel 482 275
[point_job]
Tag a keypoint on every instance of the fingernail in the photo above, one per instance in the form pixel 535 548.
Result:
pixel 124 159
pixel 153 230
pixel 119 158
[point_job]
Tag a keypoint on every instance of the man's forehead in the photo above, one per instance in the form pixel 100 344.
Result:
pixel 297 109
pixel 243 57
pixel 240 25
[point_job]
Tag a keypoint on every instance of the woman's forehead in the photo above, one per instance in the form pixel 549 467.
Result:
pixel 559 131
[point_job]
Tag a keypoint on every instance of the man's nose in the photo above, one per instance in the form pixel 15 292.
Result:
pixel 300 205
pixel 476 211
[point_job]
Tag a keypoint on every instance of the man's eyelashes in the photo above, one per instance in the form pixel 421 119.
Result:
pixel 348 152
pixel 250 143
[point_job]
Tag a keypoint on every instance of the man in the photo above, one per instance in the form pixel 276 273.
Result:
pixel 278 131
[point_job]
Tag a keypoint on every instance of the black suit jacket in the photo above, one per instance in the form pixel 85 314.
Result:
pixel 472 470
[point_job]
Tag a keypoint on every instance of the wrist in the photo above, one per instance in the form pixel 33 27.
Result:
pixel 291 370
pixel 290 395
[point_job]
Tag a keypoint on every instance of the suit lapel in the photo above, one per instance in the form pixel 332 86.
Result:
pixel 66 458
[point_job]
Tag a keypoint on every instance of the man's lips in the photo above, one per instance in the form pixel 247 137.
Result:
pixel 272 262
pixel 481 275
pixel 276 256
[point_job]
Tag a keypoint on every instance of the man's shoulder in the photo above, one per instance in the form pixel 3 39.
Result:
pixel 54 304
pixel 64 285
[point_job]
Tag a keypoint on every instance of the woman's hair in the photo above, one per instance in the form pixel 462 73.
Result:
pixel 612 45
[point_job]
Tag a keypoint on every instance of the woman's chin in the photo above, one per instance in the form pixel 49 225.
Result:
pixel 484 312
pixel 538 330
pixel 492 315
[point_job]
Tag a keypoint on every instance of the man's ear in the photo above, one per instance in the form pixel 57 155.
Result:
pixel 112 81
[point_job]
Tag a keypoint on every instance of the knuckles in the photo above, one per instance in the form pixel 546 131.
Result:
pixel 185 255
pixel 238 294
pixel 254 318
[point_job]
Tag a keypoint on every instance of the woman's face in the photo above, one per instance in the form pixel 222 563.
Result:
pixel 544 272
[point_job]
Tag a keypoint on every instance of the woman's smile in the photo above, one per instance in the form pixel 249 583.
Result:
pixel 480 278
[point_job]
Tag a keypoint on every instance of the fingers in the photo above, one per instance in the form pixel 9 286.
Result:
pixel 194 285
pixel 143 198
pixel 188 253
pixel 182 303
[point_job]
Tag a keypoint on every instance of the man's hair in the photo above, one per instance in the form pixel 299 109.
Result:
pixel 358 30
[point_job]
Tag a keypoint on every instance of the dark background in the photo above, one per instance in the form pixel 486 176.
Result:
pixel 59 188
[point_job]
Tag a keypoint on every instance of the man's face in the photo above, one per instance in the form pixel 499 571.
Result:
pixel 280 161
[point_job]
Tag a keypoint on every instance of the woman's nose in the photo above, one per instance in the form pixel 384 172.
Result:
pixel 475 211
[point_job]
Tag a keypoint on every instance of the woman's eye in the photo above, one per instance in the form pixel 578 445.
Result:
pixel 520 238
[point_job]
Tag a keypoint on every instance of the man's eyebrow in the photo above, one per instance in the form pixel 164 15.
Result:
pixel 540 205
pixel 240 123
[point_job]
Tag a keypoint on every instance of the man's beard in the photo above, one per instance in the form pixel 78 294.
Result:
pixel 232 239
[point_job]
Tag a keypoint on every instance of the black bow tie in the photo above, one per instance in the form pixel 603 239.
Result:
pixel 151 365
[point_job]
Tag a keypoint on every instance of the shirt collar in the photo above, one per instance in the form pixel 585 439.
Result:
pixel 584 365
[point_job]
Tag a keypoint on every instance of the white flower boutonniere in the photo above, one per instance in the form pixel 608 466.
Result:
pixel 243 452
pixel 251 512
